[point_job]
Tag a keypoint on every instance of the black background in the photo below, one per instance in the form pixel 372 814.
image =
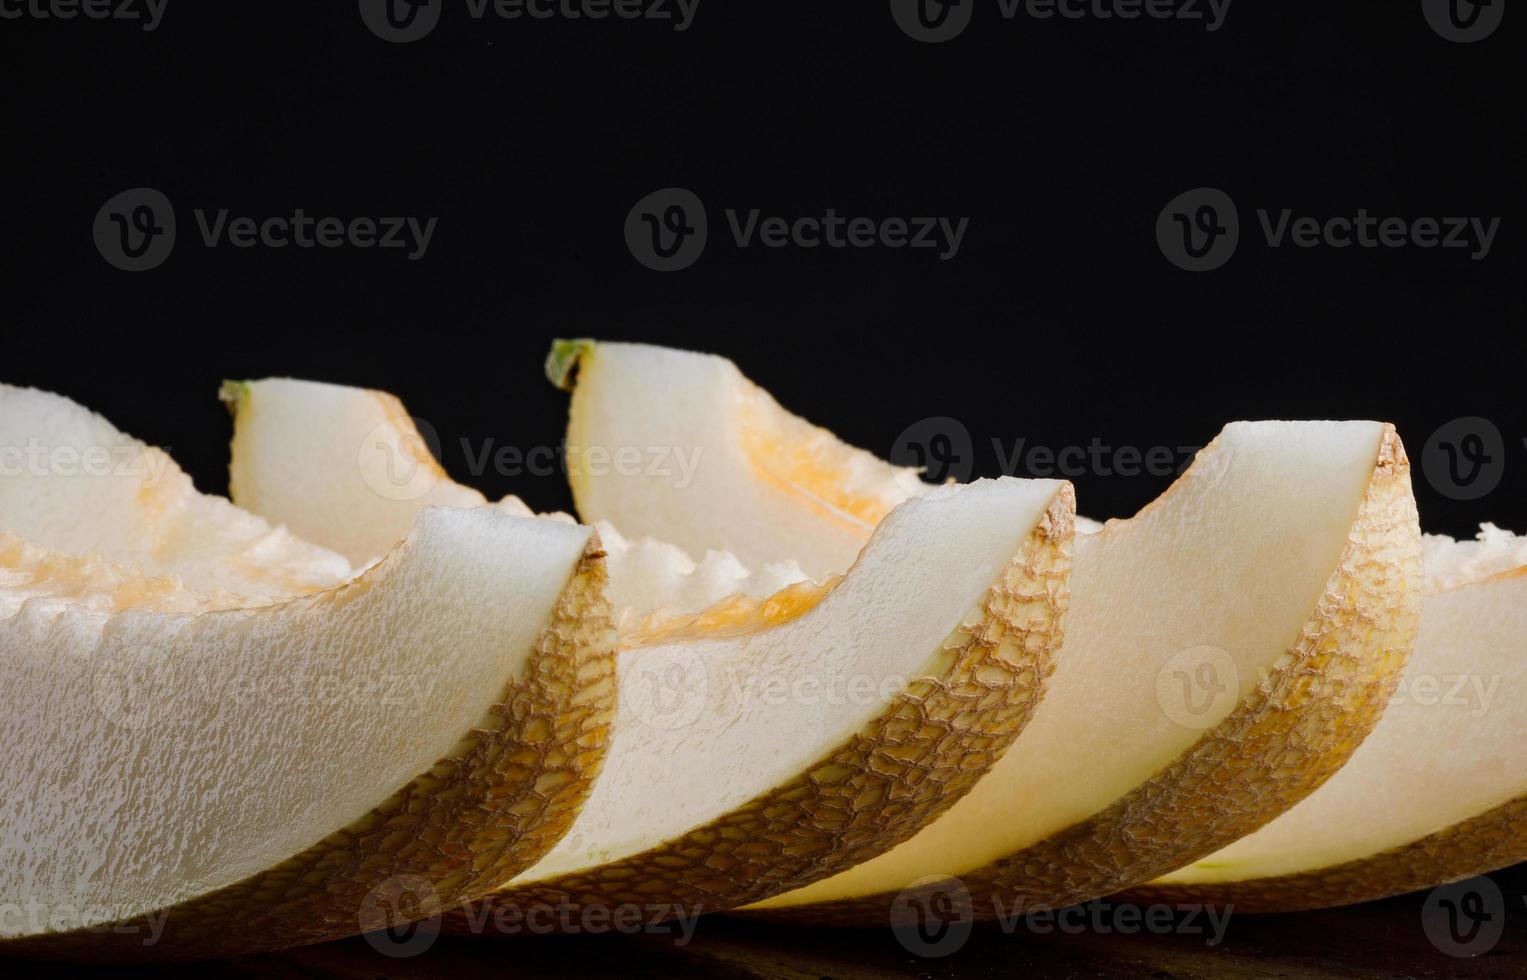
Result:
pixel 1059 321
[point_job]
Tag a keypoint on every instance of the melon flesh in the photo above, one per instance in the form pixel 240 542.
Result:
pixel 922 576
pixel 1449 747
pixel 1287 558
pixel 251 773
pixel 70 482
pixel 1237 557
pixel 791 788
pixel 320 458
pixel 346 466
pixel 765 485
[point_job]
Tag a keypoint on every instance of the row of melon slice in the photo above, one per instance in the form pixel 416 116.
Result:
pixel 239 729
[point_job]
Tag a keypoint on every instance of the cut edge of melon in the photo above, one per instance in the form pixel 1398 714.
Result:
pixel 501 796
pixel 851 796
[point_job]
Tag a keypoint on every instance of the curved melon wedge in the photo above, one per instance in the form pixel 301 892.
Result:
pixel 196 780
pixel 71 482
pixel 759 475
pixel 345 466
pixel 1438 792
pixel 324 459
pixel 748 761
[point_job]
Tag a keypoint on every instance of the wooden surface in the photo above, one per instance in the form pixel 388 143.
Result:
pixel 1380 939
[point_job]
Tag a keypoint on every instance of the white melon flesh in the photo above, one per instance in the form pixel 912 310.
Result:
pixel 243 777
pixel 729 644
pixel 344 466
pixel 1425 799
pixel 1272 546
pixel 324 460
pixel 71 482
pixel 755 476
pixel 764 768
pixel 1286 561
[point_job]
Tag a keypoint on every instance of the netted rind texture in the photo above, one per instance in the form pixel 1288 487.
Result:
pixel 1479 845
pixel 1298 728
pixel 485 812
pixel 905 768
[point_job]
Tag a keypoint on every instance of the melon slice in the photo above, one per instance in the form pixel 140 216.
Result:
pixel 758 476
pixel 1282 573
pixel 71 482
pixel 323 459
pixel 1438 792
pixel 753 757
pixel 944 627
pixel 189 777
pixel 345 466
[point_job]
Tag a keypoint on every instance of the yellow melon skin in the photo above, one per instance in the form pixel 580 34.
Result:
pixel 935 740
pixel 486 811
pixel 1290 736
